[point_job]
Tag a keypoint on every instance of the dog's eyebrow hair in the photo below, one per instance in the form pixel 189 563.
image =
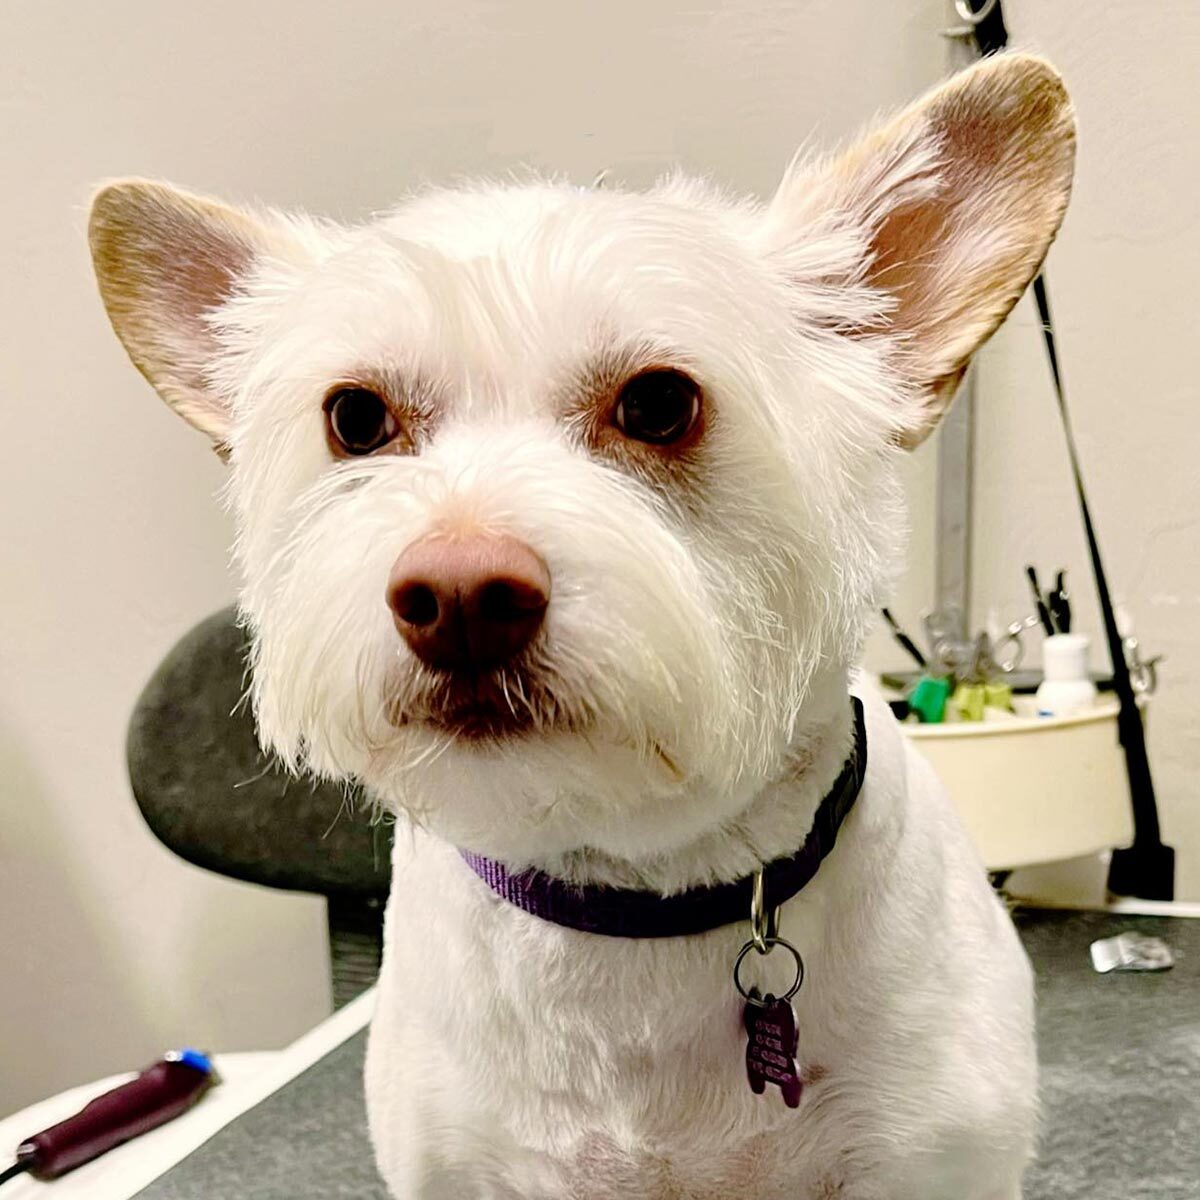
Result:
pixel 607 366
pixel 409 390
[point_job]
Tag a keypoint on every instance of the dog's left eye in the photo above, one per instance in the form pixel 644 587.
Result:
pixel 657 406
pixel 359 420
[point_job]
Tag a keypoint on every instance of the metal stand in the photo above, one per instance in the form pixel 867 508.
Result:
pixel 355 944
pixel 955 506
pixel 956 440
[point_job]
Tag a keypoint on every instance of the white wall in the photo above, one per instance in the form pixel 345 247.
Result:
pixel 113 950
pixel 114 546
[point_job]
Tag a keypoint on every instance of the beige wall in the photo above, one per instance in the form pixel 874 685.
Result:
pixel 114 545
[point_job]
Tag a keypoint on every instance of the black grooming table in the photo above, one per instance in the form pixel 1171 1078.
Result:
pixel 1120 1089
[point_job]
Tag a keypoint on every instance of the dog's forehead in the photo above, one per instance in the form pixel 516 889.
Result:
pixel 482 222
pixel 512 220
pixel 498 280
pixel 511 285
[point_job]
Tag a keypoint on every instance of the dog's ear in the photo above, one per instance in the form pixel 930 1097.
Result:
pixel 950 208
pixel 165 260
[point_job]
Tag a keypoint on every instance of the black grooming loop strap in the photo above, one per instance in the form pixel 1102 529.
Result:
pixel 1147 868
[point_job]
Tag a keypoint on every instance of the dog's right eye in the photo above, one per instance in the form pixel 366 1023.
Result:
pixel 658 406
pixel 359 420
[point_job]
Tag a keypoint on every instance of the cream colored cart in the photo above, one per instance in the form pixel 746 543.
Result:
pixel 1034 789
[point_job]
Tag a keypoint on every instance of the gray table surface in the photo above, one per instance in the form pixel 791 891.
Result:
pixel 1120 1089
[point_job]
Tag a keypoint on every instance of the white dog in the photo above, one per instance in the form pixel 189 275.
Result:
pixel 561 515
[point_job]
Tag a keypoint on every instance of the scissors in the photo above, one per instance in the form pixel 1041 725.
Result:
pixel 974 660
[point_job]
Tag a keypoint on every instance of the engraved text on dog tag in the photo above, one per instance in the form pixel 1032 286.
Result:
pixel 771 1048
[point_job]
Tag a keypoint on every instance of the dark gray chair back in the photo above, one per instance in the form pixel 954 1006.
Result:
pixel 209 794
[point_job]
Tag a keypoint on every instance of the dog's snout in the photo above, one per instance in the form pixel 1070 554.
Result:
pixel 468 603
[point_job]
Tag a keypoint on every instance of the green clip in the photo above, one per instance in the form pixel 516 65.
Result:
pixel 928 699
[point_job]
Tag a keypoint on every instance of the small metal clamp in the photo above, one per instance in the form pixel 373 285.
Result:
pixel 764 922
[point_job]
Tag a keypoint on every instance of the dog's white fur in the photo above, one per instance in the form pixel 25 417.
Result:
pixel 689 688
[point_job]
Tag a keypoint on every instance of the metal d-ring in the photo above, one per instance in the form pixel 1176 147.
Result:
pixel 771 942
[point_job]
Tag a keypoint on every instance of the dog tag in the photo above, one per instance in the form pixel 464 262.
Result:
pixel 771 1046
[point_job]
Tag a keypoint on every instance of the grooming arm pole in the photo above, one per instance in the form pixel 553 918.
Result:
pixel 1147 868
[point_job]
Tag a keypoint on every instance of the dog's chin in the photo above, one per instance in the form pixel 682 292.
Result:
pixel 519 769
pixel 519 785
pixel 477 727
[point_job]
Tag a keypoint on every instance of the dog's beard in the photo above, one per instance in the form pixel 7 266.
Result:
pixel 523 798
pixel 518 760
pixel 542 757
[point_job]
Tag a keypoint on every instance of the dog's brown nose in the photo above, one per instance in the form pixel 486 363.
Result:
pixel 468 603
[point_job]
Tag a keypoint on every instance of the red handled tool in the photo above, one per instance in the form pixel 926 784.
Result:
pixel 158 1095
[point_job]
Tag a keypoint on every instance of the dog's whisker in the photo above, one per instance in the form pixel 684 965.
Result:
pixel 667 761
pixel 504 689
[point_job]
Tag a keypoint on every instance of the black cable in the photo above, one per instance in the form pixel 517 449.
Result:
pixel 16 1169
pixel 905 641
pixel 1147 868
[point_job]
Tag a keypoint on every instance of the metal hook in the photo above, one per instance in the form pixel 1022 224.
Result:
pixel 972 18
pixel 966 32
pixel 1143 672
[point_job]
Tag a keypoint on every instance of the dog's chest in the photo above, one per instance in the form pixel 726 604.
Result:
pixel 765 1166
pixel 608 1060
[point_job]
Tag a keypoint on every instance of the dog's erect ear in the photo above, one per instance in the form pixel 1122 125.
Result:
pixel 165 260
pixel 951 205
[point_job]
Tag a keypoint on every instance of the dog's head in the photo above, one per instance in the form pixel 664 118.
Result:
pixel 560 510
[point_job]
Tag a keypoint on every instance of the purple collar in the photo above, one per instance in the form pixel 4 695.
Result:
pixel 630 913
